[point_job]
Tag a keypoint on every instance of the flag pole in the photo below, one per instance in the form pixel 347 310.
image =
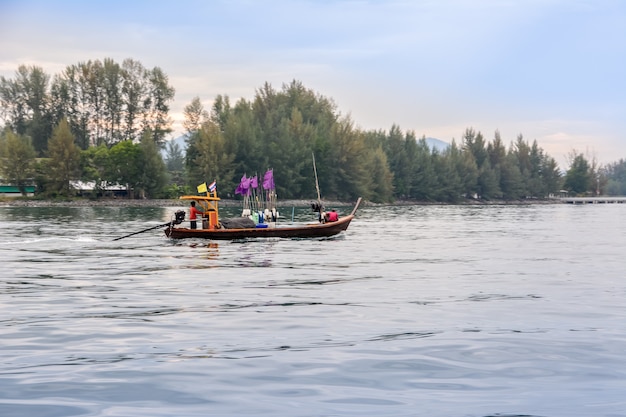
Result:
pixel 317 187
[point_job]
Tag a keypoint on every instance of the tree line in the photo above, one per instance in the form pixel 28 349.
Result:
pixel 103 102
pixel 105 122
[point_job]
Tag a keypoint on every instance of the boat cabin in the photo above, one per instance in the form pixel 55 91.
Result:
pixel 208 204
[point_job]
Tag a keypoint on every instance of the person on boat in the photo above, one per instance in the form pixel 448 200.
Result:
pixel 193 215
pixel 319 208
pixel 332 216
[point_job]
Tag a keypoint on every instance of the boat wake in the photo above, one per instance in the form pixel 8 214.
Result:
pixel 40 240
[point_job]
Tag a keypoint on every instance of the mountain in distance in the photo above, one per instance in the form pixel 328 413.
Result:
pixel 437 144
pixel 181 143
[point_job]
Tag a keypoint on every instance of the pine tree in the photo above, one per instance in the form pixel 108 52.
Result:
pixel 65 158
pixel 578 178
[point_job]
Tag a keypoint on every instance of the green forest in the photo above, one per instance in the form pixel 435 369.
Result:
pixel 107 122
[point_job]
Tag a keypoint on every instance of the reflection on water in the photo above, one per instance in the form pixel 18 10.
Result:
pixel 417 310
pixel 212 253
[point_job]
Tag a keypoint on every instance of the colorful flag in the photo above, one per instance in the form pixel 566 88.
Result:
pixel 244 186
pixel 241 188
pixel 212 186
pixel 202 188
pixel 268 180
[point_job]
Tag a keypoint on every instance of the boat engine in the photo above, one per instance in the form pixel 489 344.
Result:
pixel 179 217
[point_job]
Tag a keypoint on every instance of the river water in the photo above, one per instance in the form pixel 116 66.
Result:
pixel 414 311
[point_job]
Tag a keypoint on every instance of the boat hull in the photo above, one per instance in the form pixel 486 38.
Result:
pixel 289 232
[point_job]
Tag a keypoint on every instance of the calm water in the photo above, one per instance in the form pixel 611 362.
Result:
pixel 415 311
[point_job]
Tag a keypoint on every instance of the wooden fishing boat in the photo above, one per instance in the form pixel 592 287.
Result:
pixel 257 220
pixel 212 228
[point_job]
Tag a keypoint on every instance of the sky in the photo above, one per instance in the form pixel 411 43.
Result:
pixel 551 70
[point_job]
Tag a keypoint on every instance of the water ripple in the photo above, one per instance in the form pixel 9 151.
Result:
pixel 438 311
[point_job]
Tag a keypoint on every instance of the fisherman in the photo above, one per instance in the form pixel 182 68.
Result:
pixel 193 213
pixel 332 216
pixel 319 208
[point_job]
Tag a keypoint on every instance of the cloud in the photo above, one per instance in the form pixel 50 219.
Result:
pixel 435 67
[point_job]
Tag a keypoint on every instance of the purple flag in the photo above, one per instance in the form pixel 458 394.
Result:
pixel 245 185
pixel 254 183
pixel 268 180
pixel 242 188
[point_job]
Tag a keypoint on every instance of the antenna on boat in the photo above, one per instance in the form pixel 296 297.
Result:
pixel 317 185
pixel 320 208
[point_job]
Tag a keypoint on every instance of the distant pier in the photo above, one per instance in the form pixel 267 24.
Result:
pixel 594 200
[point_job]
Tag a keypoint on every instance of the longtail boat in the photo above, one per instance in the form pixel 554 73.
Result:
pixel 211 227
pixel 259 218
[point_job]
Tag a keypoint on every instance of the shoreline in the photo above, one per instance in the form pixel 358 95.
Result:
pixel 118 202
